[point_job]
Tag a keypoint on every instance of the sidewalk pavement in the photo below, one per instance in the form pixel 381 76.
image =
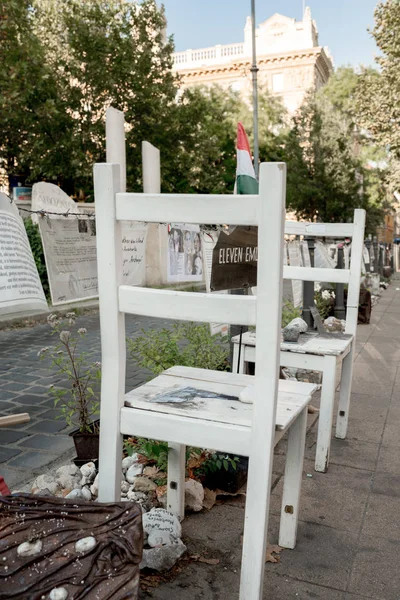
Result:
pixel 348 544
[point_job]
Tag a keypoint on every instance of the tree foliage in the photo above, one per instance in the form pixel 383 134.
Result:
pixel 378 92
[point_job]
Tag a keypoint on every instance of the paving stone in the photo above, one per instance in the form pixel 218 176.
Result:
pixel 12 477
pixel 31 399
pixel 14 409
pixel 376 572
pixel 389 460
pixel 350 487
pixel 382 516
pixel 44 426
pixel 8 436
pixel 7 395
pixel 13 387
pixel 52 443
pixel 32 460
pixel 8 452
pixel 39 390
pixel 23 378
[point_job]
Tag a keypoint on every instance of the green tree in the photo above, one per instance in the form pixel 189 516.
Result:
pixel 378 92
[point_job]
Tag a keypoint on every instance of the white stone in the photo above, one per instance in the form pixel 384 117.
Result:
pixel 142 484
pixel 194 495
pixel 85 544
pixel 86 493
pixel 77 494
pixel 30 548
pixel 164 558
pixel 46 482
pixel 94 488
pixel 298 323
pixel 128 461
pixel 161 538
pixel 159 519
pixel 58 594
pixel 136 496
pixel 125 487
pixel 89 471
pixel 68 477
pixel 133 471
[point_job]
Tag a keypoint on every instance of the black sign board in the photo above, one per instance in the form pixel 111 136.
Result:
pixel 234 260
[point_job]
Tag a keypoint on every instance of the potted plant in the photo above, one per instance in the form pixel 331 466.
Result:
pixel 78 403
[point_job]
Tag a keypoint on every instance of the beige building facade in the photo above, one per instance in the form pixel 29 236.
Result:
pixel 289 58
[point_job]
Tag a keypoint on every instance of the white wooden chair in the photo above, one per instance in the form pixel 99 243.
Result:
pixel 224 424
pixel 322 352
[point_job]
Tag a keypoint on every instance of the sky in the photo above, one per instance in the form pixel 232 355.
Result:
pixel 342 24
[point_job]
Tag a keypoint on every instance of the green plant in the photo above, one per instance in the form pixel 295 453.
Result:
pixel 78 404
pixel 35 242
pixel 185 344
pixel 324 300
pixel 289 312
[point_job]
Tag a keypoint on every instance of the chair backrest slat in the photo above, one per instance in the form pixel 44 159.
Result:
pixel 335 230
pixel 205 209
pixel 316 274
pixel 187 306
pixel 353 293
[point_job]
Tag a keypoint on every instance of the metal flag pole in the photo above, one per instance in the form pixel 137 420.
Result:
pixel 254 71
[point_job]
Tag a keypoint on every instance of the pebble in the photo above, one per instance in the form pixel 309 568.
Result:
pixel 128 461
pixel 58 594
pixel 85 544
pixel 133 471
pixel 142 484
pixel 30 548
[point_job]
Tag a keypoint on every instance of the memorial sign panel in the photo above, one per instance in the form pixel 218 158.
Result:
pixel 234 260
pixel 20 286
pixel 185 253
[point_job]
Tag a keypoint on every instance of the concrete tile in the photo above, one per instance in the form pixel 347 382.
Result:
pixel 354 453
pixel 32 460
pixel 322 556
pixel 43 426
pixel 8 436
pixel 6 453
pixel 32 399
pixel 386 484
pixel 12 477
pixel 376 572
pixel 51 443
pixel 389 460
pixel 382 517
pixel 364 430
pixel 383 352
pixel 391 434
pixel 281 587
pixel 350 488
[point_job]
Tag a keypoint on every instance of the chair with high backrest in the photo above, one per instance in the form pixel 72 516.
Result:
pixel 220 421
pixel 322 352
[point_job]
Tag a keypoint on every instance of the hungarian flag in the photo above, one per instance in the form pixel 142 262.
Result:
pixel 246 182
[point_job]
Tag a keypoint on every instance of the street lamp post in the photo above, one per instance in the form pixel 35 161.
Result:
pixel 254 71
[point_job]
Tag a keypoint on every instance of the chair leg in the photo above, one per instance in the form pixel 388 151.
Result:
pixel 344 396
pixel 176 480
pixel 292 481
pixel 326 414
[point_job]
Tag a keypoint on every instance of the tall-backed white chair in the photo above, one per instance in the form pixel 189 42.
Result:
pixel 322 352
pixel 223 423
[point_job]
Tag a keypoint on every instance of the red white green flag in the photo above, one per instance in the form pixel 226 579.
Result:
pixel 246 182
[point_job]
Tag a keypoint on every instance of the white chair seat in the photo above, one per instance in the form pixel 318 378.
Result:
pixel 210 420
pixel 320 344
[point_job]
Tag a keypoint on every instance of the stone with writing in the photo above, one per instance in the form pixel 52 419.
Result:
pixel 159 519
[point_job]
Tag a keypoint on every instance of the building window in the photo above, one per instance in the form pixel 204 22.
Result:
pixel 277 82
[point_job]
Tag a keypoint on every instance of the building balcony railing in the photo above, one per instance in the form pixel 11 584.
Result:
pixel 208 56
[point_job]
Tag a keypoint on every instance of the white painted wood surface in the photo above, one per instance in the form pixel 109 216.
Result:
pixel 115 143
pixel 112 331
pixel 310 343
pixel 175 484
pixel 335 230
pixel 292 482
pixel 186 306
pixel 314 274
pixel 224 424
pixel 208 209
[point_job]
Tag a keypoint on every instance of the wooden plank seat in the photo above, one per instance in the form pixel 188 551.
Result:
pixel 221 422
pixel 142 410
pixel 322 352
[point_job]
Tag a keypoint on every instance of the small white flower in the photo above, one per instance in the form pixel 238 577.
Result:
pixel 97 364
pixel 42 351
pixel 82 330
pixel 326 295
pixel 333 295
pixel 64 336
pixel 70 315
pixel 317 287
